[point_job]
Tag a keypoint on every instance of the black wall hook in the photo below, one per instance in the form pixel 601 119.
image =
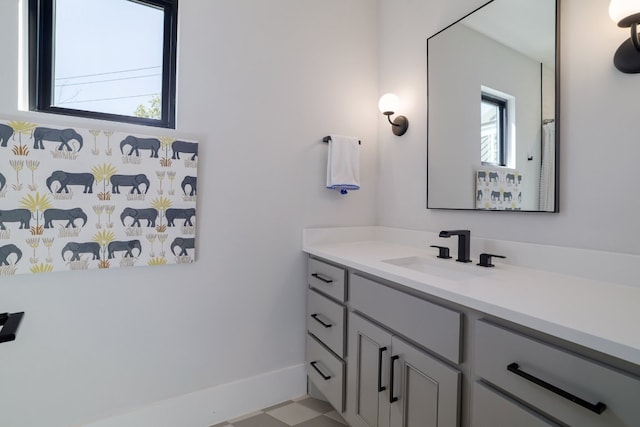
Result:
pixel 9 323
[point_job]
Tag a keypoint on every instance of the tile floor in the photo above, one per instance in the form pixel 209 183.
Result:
pixel 303 412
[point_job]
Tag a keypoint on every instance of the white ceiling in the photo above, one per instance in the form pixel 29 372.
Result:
pixel 527 26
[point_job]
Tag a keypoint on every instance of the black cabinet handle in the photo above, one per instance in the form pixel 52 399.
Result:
pixel 598 408
pixel 317 319
pixel 9 324
pixel 324 377
pixel 380 386
pixel 322 277
pixel 392 398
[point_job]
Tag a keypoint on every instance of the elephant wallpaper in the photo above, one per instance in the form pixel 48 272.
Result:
pixel 499 189
pixel 76 199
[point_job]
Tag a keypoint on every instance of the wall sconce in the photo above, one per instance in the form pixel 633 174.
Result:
pixel 388 105
pixel 626 13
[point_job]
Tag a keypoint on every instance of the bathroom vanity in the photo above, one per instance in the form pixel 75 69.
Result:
pixel 397 337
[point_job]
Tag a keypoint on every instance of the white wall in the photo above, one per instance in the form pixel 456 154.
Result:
pixel 260 84
pixel 599 151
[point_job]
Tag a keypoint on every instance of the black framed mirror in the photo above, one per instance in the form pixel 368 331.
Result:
pixel 493 104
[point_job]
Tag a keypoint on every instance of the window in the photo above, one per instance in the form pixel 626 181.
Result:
pixel 493 130
pixel 104 59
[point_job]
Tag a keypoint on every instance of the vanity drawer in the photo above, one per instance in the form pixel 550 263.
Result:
pixel 492 409
pixel 326 320
pixel 327 279
pixel 503 357
pixel 327 372
pixel 430 325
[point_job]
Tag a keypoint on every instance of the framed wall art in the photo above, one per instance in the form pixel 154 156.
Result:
pixel 76 199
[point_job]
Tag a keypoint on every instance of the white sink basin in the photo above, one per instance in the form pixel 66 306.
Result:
pixel 447 269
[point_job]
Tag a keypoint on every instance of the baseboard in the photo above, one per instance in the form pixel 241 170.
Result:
pixel 215 405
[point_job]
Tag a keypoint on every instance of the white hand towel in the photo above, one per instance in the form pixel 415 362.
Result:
pixel 343 164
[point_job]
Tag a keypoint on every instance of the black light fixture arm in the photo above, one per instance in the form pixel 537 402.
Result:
pixel 634 36
pixel 389 114
pixel 400 123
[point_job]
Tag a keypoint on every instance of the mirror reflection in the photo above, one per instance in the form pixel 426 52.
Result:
pixel 492 102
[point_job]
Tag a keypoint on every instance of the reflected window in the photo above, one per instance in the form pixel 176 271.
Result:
pixel 493 130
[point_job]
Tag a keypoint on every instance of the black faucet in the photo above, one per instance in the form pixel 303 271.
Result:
pixel 464 243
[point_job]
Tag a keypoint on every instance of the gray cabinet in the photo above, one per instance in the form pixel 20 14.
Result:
pixel 326 371
pixel 368 374
pixel 327 278
pixel 326 331
pixel 385 356
pixel 570 388
pixel 426 392
pixel 326 320
pixel 435 327
pixel 392 383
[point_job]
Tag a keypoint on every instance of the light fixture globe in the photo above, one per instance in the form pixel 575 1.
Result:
pixel 388 104
pixel 624 12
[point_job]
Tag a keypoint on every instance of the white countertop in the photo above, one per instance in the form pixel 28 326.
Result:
pixel 600 315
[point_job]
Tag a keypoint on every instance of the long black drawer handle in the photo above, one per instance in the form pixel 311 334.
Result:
pixel 324 377
pixel 598 408
pixel 380 386
pixel 9 324
pixel 322 277
pixel 392 398
pixel 317 319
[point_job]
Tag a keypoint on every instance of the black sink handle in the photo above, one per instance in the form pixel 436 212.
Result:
pixel 485 259
pixel 443 251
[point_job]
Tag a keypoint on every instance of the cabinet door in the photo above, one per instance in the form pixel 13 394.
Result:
pixel 424 392
pixel 369 350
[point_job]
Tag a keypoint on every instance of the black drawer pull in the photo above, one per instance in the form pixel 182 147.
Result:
pixel 325 279
pixel 380 386
pixel 392 398
pixel 324 377
pixel 9 324
pixel 315 317
pixel 598 408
